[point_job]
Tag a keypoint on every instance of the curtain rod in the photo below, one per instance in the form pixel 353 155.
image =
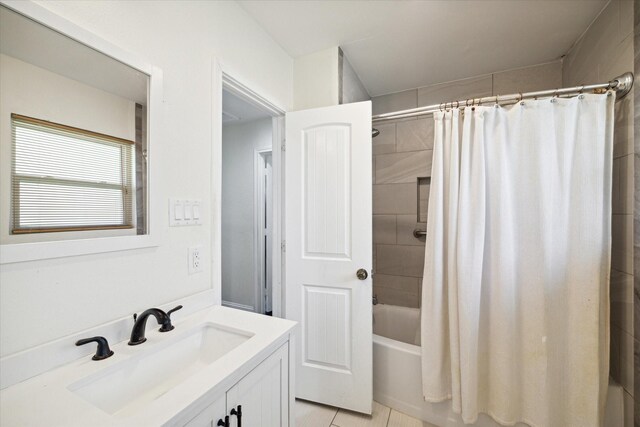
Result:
pixel 622 85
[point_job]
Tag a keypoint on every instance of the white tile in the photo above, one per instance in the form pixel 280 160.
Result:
pixel 395 199
pixel 628 410
pixel 396 297
pixel 394 102
pixel 415 135
pixel 385 142
pixel 575 76
pixel 626 362
pixel 626 17
pixel 618 61
pixel 621 295
pixel 384 229
pixel 378 418
pixel 405 225
pixel 614 353
pixel 622 243
pixel 402 283
pixel 424 187
pixel 599 41
pixel 398 419
pixel 623 126
pixel 616 205
pixel 626 184
pixel 309 414
pixel 475 87
pixel 400 260
pixel 398 168
pixel 530 79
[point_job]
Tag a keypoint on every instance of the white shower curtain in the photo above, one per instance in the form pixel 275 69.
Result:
pixel 515 295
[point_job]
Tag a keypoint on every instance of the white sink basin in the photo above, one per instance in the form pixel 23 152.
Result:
pixel 129 385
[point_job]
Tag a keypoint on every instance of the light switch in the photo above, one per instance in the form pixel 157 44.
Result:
pixel 185 212
pixel 178 210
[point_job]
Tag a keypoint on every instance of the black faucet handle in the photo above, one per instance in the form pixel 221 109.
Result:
pixel 224 423
pixel 173 310
pixel 102 352
pixel 166 325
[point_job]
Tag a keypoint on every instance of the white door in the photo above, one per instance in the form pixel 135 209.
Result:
pixel 328 216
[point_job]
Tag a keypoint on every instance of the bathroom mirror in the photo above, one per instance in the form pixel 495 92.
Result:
pixel 74 137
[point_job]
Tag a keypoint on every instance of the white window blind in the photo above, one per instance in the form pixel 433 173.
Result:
pixel 68 179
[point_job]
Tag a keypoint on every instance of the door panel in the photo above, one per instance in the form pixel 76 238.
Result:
pixel 328 216
pixel 326 192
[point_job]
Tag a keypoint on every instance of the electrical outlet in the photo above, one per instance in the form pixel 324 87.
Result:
pixel 195 260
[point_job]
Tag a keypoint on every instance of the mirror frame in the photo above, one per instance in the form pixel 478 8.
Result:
pixel 22 252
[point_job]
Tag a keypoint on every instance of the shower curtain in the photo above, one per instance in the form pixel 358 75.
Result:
pixel 515 294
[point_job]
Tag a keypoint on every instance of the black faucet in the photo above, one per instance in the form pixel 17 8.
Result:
pixel 102 352
pixel 164 319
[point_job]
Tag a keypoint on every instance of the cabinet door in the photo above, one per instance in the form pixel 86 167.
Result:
pixel 263 393
pixel 210 415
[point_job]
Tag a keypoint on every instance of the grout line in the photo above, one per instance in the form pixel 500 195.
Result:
pixel 388 417
pixel 334 417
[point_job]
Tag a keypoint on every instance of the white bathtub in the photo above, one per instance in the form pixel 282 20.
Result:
pixel 397 373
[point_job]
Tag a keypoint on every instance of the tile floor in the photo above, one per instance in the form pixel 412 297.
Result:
pixel 309 414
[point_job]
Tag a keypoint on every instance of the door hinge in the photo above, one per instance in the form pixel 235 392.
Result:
pixel 283 246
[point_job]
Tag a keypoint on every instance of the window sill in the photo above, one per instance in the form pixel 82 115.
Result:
pixel 23 252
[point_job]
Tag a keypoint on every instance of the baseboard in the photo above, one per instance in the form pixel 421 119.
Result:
pixel 238 306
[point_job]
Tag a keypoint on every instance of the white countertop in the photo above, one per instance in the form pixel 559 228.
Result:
pixel 47 400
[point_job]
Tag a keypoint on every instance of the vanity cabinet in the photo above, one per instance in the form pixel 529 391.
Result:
pixel 263 395
pixel 211 414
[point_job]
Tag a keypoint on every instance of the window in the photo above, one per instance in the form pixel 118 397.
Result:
pixel 69 179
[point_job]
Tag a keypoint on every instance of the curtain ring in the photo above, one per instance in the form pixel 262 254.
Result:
pixel 555 93
pixel 581 89
pixel 496 99
pixel 440 108
pixel 520 99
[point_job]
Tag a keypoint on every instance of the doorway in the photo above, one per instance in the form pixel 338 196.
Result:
pixel 248 219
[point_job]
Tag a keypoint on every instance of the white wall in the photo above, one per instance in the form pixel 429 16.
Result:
pixel 316 80
pixel 35 92
pixel 45 300
pixel 352 89
pixel 239 145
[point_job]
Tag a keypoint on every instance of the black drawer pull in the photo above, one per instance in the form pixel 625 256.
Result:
pixel 238 413
pixel 224 423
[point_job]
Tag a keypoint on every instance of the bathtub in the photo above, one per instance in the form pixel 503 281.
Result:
pixel 397 377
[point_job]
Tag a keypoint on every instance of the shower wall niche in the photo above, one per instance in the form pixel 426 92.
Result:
pixel 402 167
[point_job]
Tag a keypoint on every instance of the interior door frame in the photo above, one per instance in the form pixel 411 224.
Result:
pixel 259 195
pixel 222 79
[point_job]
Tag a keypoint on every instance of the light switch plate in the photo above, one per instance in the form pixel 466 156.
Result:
pixel 185 212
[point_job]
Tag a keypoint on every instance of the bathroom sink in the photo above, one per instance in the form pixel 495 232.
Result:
pixel 127 386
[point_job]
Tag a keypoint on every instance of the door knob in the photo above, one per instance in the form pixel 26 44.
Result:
pixel 362 274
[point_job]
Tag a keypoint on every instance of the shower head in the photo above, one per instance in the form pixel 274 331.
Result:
pixel 374 132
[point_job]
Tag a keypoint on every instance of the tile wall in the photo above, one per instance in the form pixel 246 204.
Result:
pixel 402 153
pixel 605 51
